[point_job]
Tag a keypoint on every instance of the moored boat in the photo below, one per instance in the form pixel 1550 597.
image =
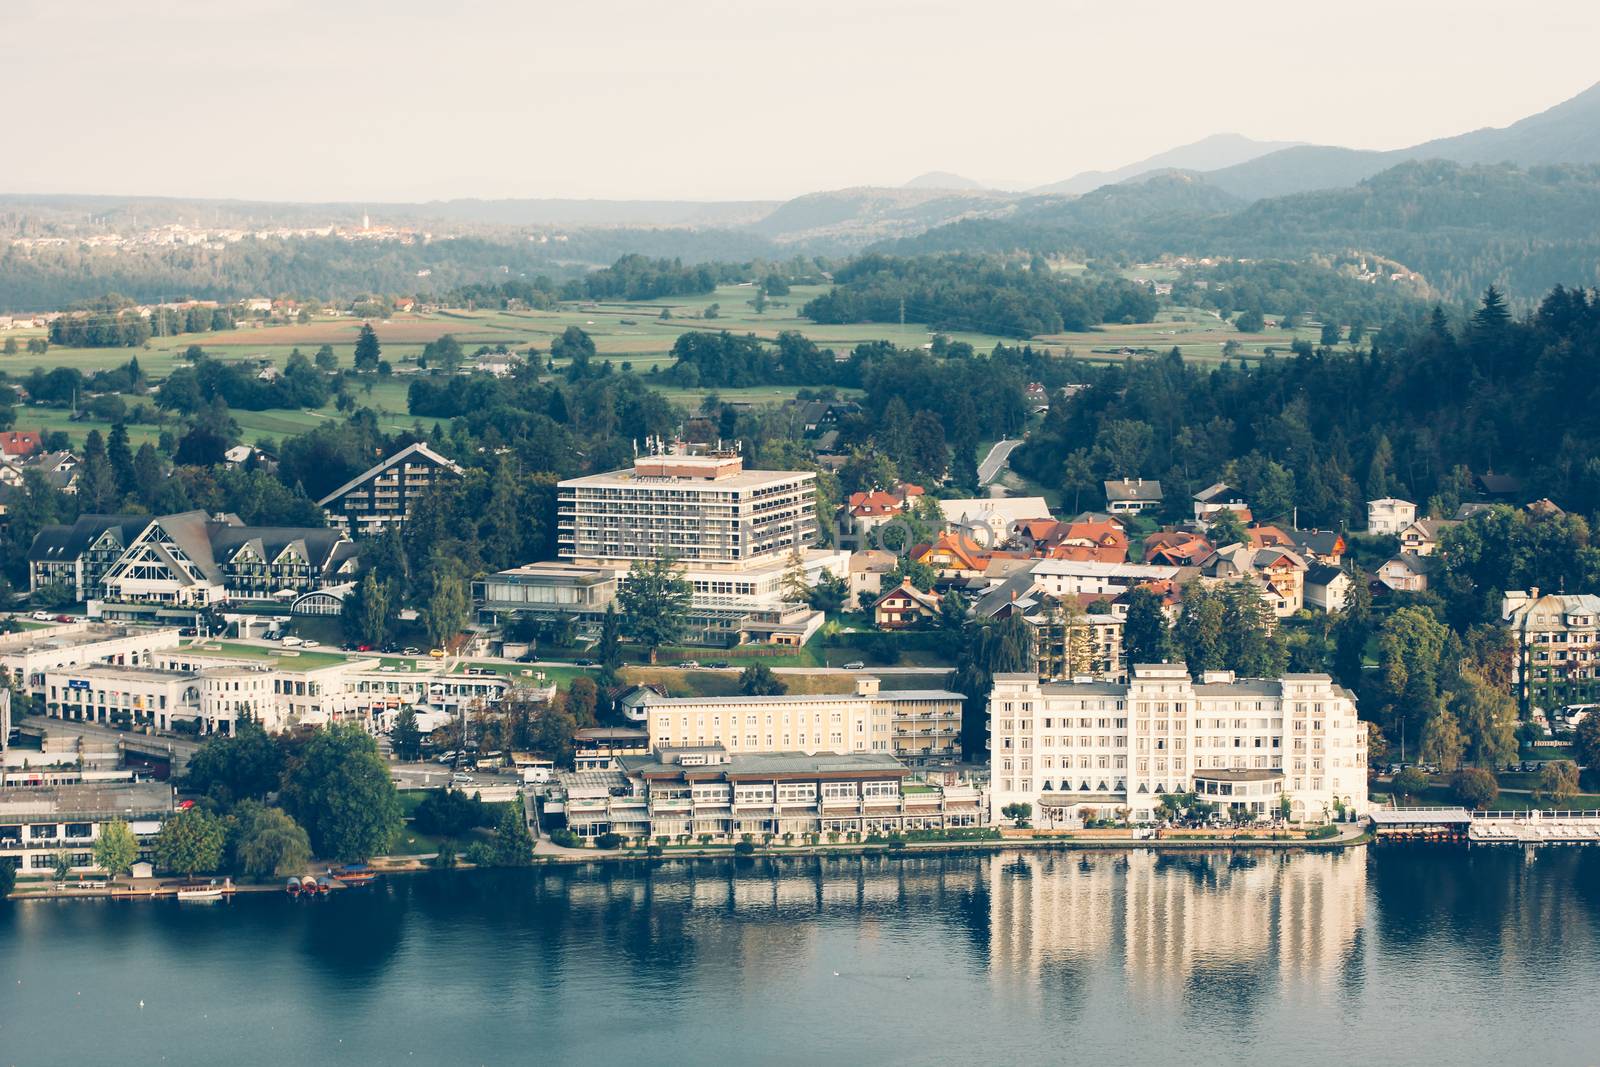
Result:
pixel 354 874
pixel 308 885
pixel 292 887
pixel 200 892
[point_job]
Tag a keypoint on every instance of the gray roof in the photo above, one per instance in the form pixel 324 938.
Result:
pixel 758 763
pixel 670 703
pixel 1322 574
pixel 418 449
pixel 1219 491
pixel 87 801
pixel 1143 489
pixel 69 542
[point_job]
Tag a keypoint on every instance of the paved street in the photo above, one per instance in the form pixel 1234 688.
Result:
pixel 996 460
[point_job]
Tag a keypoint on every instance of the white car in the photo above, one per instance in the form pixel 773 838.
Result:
pixel 459 778
pixel 41 616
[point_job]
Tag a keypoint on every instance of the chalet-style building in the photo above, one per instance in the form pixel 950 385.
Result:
pixel 1406 573
pixel 1219 497
pixel 1280 572
pixel 385 495
pixel 905 607
pixel 1177 548
pixel 189 559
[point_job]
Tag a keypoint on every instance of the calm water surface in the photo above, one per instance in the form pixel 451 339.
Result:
pixel 1387 955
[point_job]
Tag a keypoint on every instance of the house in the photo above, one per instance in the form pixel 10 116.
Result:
pixel 1406 573
pixel 596 748
pixel 1268 537
pixel 1037 398
pixel 1422 536
pixel 1323 546
pixel 1557 655
pixel 1544 508
pixel 385 495
pixel 871 510
pixel 1176 548
pixel 634 702
pixel 1132 495
pixel 15 444
pixel 1069 640
pixel 867 569
pixel 1219 497
pixel 821 416
pixel 1499 486
pixel 1327 588
pixel 905 606
pixel 1280 571
pixel 953 555
pixel 1467 511
pixel 60 470
pixel 1390 515
pixel 498 364
pixel 992 518
pixel 1101 541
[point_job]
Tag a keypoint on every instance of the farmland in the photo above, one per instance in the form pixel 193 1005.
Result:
pixel 633 334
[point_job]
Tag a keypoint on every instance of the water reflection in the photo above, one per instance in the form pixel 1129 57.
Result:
pixel 1177 925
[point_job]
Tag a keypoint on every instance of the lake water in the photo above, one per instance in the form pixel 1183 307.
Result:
pixel 1388 955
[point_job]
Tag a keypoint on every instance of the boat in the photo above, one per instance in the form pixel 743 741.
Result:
pixel 200 892
pixel 292 887
pixel 326 884
pixel 308 886
pixel 354 874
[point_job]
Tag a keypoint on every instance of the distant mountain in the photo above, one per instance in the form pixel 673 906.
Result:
pixel 847 219
pixel 1566 133
pixel 943 179
pixel 1210 153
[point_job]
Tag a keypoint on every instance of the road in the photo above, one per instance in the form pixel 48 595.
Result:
pixel 436 776
pixel 996 460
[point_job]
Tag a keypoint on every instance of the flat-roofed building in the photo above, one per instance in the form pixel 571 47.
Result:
pixel 39 823
pixel 918 726
pixel 707 791
pixel 26 655
pixel 1072 749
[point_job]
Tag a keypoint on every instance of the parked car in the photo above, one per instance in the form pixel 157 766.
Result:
pixel 854 665
pixel 411 650
pixel 63 618
pixel 689 664
pixel 436 653
pixel 292 642
pixel 41 616
pixel 461 778
pixel 584 662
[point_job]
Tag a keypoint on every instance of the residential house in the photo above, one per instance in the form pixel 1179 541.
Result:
pixel 1132 495
pixel 19 444
pixel 1219 497
pixel 1323 546
pixel 1543 508
pixel 867 569
pixel 954 556
pixel 1557 637
pixel 1103 542
pixel 1076 635
pixel 905 607
pixel 1389 515
pixel 1502 487
pixel 1327 588
pixel 993 519
pixel 1406 573
pixel 1468 510
pixel 1177 548
pixel 1422 537
pixel 866 512
pixel 1280 572
pixel 385 495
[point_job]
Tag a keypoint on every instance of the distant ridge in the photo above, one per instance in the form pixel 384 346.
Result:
pixel 1566 133
pixel 943 179
pixel 1208 153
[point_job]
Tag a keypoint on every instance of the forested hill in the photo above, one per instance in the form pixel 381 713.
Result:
pixel 1327 430
pixel 1462 227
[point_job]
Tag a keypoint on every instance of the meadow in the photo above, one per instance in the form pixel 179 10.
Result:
pixel 626 332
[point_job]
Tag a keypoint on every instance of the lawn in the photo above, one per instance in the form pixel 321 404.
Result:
pixel 289 659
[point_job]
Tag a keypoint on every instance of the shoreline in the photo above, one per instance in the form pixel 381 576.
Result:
pixel 160 889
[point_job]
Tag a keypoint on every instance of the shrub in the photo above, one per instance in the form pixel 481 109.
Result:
pixel 608 840
pixel 1327 829
pixel 745 847
pixel 654 850
pixel 445 858
pixel 1475 787
pixel 566 839
pixel 1409 782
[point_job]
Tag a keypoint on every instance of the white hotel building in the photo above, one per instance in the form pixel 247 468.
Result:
pixel 736 534
pixel 1077 749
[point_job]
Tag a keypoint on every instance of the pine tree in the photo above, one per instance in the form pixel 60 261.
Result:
pixel 368 351
pixel 610 648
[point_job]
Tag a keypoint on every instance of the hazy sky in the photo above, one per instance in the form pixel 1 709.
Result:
pixel 716 99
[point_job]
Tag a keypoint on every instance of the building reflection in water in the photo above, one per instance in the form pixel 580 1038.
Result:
pixel 1169 918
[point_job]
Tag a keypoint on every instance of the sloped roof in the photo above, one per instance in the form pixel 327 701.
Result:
pixel 1146 490
pixel 418 449
pixel 1216 492
pixel 54 543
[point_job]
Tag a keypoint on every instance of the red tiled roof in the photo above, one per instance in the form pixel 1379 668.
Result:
pixel 19 442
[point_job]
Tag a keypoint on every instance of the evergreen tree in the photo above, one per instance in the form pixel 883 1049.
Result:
pixel 1199 636
pixel 1145 638
pixel 1253 646
pixel 120 455
pixel 610 647
pixel 655 602
pixel 368 351
pixel 405 735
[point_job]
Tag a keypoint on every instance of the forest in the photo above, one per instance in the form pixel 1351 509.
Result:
pixel 977 293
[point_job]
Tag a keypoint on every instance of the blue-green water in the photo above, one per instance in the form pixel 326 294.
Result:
pixel 1387 955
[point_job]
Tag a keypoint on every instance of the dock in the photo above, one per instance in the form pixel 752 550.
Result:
pixel 1486 827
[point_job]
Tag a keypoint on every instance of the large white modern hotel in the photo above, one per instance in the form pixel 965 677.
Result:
pixel 1077 749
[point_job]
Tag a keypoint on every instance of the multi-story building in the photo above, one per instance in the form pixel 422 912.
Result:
pixel 1075 748
pixel 709 791
pixel 39 823
pixel 918 726
pixel 27 655
pixel 1557 638
pixel 187 559
pixel 386 494
pixel 740 537
pixel 1073 635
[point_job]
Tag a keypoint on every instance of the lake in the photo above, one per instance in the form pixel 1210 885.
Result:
pixel 1390 954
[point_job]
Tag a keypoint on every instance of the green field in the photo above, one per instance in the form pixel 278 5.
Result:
pixel 624 332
